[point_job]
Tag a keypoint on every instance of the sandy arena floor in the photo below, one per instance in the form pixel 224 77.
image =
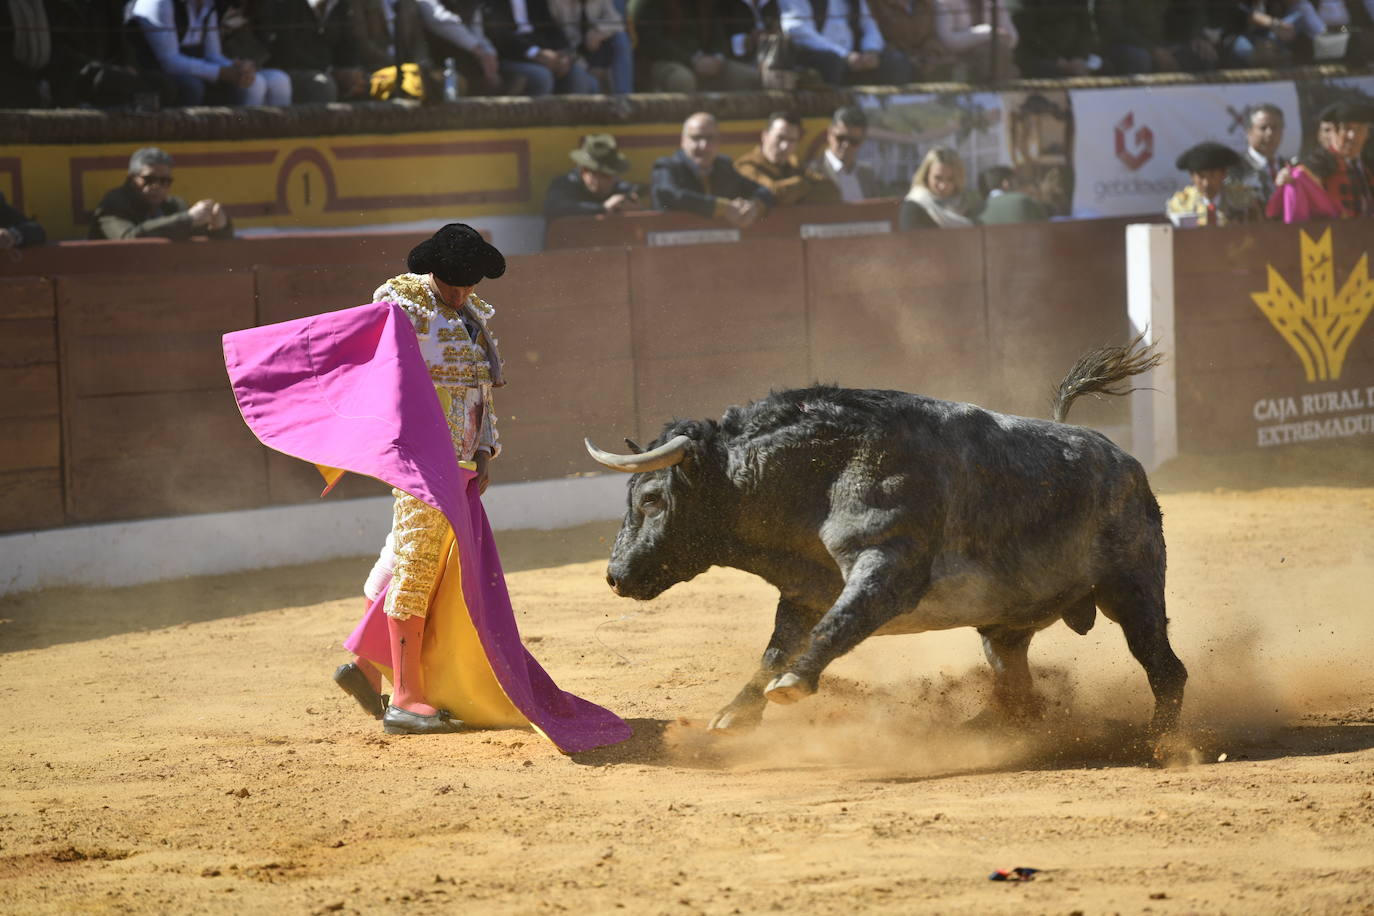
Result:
pixel 180 748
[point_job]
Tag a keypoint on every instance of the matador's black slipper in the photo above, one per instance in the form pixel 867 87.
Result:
pixel 354 683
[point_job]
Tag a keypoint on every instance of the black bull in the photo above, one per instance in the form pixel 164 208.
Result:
pixel 881 512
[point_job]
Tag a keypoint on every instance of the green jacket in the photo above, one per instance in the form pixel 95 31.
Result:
pixel 122 214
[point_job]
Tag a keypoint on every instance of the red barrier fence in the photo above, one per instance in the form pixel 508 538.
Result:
pixel 115 404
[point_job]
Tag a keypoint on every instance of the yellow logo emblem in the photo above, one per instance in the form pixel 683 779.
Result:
pixel 1321 324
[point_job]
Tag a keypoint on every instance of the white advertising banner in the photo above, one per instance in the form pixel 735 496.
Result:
pixel 1126 140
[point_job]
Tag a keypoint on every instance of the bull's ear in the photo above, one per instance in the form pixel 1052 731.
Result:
pixel 635 447
pixel 685 471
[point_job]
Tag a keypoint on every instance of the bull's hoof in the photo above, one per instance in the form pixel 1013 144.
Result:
pixel 1172 749
pixel 787 689
pixel 735 721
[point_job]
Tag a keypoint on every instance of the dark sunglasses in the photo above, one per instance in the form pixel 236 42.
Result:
pixel 847 139
pixel 164 180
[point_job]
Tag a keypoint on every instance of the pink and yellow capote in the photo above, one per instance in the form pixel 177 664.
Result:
pixel 349 392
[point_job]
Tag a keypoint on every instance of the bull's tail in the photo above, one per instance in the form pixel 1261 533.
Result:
pixel 1101 371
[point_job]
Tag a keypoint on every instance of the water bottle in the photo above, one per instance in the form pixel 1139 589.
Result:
pixel 450 80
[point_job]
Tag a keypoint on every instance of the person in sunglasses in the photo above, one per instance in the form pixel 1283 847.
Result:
pixel 144 206
pixel 850 179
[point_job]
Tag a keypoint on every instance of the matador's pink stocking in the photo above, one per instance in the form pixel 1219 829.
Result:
pixel 407 636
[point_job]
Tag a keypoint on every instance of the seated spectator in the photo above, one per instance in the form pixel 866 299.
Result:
pixel 1210 200
pixel 682 47
pixel 63 53
pixel 840 40
pixel 181 38
pixel 25 55
pixel 17 230
pixel 143 206
pixel 1002 203
pixel 456 29
pixel 773 163
pixel 749 26
pixel 850 180
pixel 594 185
pixel 908 26
pixel 938 198
pixel 1055 38
pixel 1260 167
pixel 388 34
pixel 697 179
pixel 966 31
pixel 531 44
pixel 1275 33
pixel 313 42
pixel 1154 36
pixel 596 32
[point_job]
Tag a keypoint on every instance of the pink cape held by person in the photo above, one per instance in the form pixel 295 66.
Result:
pixel 349 391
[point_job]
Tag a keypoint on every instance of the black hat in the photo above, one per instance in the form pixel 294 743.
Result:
pixel 1347 111
pixel 1206 157
pixel 458 255
pixel 600 153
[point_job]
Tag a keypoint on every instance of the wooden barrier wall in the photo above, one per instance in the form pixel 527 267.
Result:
pixel 1237 373
pixel 114 387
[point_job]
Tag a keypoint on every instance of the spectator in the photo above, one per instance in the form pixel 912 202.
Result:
pixel 531 44
pixel 682 45
pixel 1149 36
pixel 937 199
pixel 1003 203
pixel 850 180
pixel 456 30
pixel 1210 200
pixel 391 34
pixel 312 40
pixel 840 40
pixel 596 31
pixel 26 54
pixel 1261 164
pixel 143 206
pixel 181 38
pixel 697 179
pixel 773 163
pixel 982 49
pixel 594 185
pixel 1275 33
pixel 749 26
pixel 62 53
pixel 1347 178
pixel 17 230
pixel 1055 38
pixel 908 26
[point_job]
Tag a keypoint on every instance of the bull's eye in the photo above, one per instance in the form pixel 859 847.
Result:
pixel 651 504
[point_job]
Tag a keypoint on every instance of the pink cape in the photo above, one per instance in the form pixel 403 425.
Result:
pixel 350 390
pixel 1302 199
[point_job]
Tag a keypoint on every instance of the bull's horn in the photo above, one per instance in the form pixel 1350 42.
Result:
pixel 665 456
